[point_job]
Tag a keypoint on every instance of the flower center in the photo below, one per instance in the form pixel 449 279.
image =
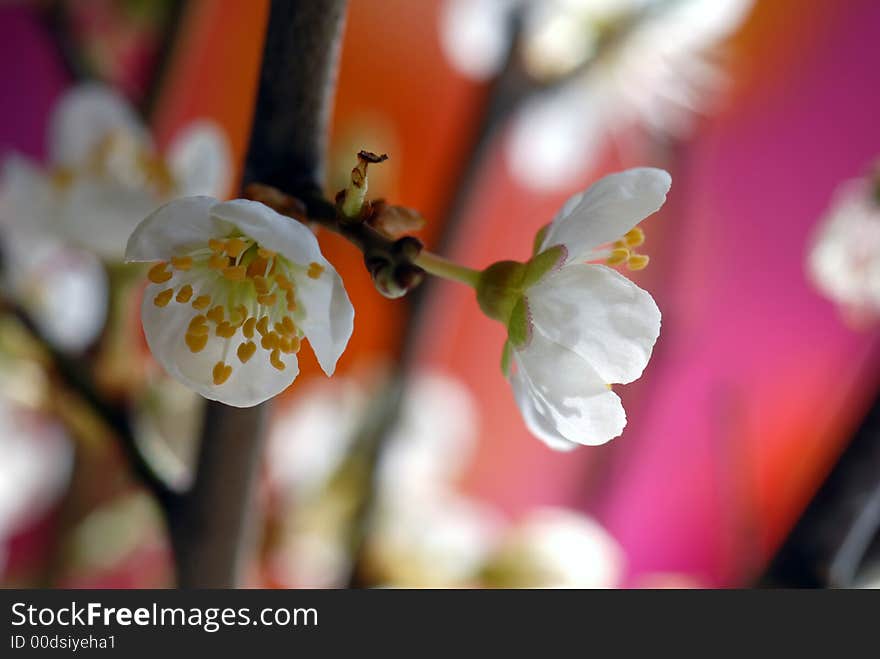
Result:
pixel 624 251
pixel 123 159
pixel 238 292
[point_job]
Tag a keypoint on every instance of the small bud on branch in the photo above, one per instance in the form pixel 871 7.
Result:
pixel 351 200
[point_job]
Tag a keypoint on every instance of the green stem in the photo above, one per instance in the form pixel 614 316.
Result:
pixel 446 269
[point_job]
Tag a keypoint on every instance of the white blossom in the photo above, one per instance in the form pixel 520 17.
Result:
pixel 608 64
pixel 575 325
pixel 556 548
pixel 844 256
pixel 235 288
pixel 424 532
pixel 654 74
pixel 439 543
pixel 104 173
pixel 36 457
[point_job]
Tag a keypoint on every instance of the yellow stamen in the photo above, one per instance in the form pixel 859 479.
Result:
pixel 198 326
pixel 61 177
pixel 638 261
pixel 222 371
pixel 218 246
pixel 235 246
pixel 289 344
pixel 235 272
pixel 263 325
pixel 315 270
pixel 261 285
pixel 216 314
pixel 184 294
pixel 634 237
pixel 257 268
pixel 287 324
pixel 275 360
pixel 159 274
pixel 182 262
pixel 269 341
pixel 265 253
pixel 246 351
pixel 283 282
pixel 225 330
pixel 248 329
pixel 163 298
pixel 618 256
pixel 267 300
pixel 196 342
pixel 291 301
pixel 202 302
pixel 218 262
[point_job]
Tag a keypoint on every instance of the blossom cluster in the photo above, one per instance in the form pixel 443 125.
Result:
pixel 236 287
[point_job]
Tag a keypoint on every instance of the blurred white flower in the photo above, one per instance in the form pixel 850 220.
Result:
pixel 653 73
pixel 65 290
pixel 423 533
pixel 36 458
pixel 575 326
pixel 433 441
pixel 426 451
pixel 416 511
pixel 167 419
pixel 475 35
pixel 844 257
pixel 235 288
pixel 313 433
pixel 555 548
pixel 105 175
pixel 624 62
pixel 440 543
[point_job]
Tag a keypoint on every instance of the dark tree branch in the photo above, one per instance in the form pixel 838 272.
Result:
pixel 211 527
pixel 837 536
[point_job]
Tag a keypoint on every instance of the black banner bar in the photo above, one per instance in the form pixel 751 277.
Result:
pixel 395 622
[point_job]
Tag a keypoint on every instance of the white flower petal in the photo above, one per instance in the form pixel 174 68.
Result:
pixel 248 385
pixel 25 203
pixel 185 228
pixel 599 314
pixel 285 235
pixel 36 457
pixel 538 423
pixel 86 115
pixel 559 548
pixel 607 210
pixel 842 261
pixel 564 388
pixel 555 137
pixel 433 439
pixel 178 224
pixel 329 315
pixel 200 160
pixel 101 216
pixel 476 35
pixel 67 291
